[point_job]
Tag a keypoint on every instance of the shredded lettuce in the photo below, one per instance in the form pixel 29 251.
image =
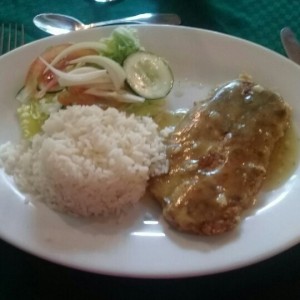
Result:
pixel 31 118
pixel 33 114
pixel 122 42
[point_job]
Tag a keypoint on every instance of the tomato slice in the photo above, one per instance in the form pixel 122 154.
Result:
pixel 77 95
pixel 38 82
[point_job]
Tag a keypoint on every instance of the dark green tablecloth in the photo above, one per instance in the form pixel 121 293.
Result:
pixel 23 276
pixel 257 21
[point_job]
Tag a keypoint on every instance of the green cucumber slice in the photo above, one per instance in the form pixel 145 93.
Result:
pixel 148 75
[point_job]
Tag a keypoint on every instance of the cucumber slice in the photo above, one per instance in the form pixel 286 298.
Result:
pixel 148 75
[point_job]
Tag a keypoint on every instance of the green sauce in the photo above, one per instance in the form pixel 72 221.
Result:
pixel 284 160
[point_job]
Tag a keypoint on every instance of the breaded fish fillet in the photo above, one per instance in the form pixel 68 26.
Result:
pixel 219 155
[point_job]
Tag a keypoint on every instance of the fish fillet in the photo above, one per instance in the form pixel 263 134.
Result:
pixel 219 155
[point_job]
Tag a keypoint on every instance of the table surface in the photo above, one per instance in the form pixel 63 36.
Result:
pixel 23 276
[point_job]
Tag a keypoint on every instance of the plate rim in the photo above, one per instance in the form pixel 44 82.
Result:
pixel 149 274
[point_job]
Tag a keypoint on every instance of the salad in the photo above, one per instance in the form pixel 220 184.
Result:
pixel 114 71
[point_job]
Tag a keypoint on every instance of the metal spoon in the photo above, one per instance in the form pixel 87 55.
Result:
pixel 104 1
pixel 59 24
pixel 290 44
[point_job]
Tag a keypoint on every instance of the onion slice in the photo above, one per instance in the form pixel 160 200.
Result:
pixel 115 70
pixel 80 78
pixel 83 45
pixel 103 80
pixel 82 70
pixel 121 95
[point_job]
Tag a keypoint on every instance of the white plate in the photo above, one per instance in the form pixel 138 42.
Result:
pixel 144 245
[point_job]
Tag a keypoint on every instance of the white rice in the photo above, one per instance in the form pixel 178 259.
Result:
pixel 88 161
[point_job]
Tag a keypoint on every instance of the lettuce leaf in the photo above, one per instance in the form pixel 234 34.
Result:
pixel 122 42
pixel 31 119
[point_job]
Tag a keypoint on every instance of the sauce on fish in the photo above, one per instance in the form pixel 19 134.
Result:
pixel 284 160
pixel 219 155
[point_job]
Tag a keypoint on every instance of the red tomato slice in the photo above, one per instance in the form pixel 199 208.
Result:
pixel 38 82
pixel 76 95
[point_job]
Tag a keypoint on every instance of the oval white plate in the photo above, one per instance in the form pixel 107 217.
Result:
pixel 143 245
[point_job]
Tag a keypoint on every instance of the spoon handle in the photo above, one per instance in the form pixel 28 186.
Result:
pixel 170 19
pixel 291 44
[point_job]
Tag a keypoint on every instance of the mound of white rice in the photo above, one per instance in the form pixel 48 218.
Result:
pixel 88 161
